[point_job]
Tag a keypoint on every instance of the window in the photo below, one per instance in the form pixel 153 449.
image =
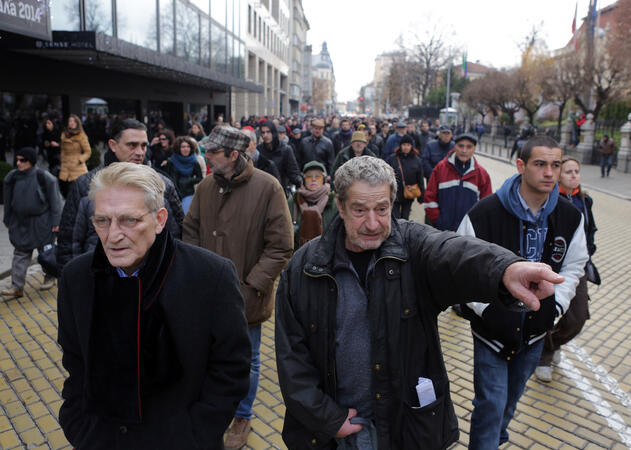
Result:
pixel 205 41
pixel 167 27
pixel 249 19
pixel 98 16
pixel 187 37
pixel 203 5
pixel 218 48
pixel 65 15
pixel 136 22
pixel 218 11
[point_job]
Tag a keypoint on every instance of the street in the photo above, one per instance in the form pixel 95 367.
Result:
pixel 587 405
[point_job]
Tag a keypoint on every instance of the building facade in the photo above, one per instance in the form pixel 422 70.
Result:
pixel 170 60
pixel 298 33
pixel 323 96
pixel 383 64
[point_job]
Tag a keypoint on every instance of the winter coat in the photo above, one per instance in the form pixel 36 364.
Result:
pixel 30 209
pixel 264 164
pixel 412 172
pixel 495 219
pixel 607 148
pixel 329 213
pixel 392 143
pixel 435 151
pixel 312 149
pixel 76 233
pixel 75 152
pixel 345 155
pixel 283 156
pixel 192 321
pixel 341 140
pixel 418 273
pixel 185 184
pixel 247 222
pixel 450 196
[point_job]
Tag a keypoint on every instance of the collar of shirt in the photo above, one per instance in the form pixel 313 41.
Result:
pixel 122 274
pixel 531 215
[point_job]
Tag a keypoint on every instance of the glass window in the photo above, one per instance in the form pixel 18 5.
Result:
pixel 65 15
pixel 218 11
pixel 230 24
pixel 205 42
pixel 98 16
pixel 187 36
pixel 241 60
pixel 218 48
pixel 204 5
pixel 229 52
pixel 167 35
pixel 136 22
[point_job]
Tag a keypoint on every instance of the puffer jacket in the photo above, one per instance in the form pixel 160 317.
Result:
pixel 76 233
pixel 30 210
pixel 418 273
pixel 75 152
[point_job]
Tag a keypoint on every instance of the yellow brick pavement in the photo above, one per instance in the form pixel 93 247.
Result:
pixel 586 406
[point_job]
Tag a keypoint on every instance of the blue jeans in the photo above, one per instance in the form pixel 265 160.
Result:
pixel 245 406
pixel 606 161
pixel 498 385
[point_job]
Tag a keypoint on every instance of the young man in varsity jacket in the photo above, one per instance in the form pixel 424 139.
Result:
pixel 526 215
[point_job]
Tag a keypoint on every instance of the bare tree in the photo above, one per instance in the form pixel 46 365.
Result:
pixel 563 82
pixel 478 96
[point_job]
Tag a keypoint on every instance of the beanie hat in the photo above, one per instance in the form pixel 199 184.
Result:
pixel 28 153
pixel 407 139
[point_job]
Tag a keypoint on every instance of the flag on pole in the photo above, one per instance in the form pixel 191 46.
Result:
pixel 574 27
pixel 464 65
pixel 594 13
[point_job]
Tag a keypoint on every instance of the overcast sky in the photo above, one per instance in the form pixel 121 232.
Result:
pixel 357 31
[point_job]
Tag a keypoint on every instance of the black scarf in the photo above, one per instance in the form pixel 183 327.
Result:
pixel 131 352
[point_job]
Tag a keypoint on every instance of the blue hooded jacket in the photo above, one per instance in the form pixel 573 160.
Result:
pixel 531 242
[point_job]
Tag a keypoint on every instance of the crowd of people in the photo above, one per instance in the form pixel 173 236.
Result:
pixel 176 249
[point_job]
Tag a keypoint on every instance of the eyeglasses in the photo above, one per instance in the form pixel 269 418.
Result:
pixel 124 222
pixel 19 159
pixel 313 177
pixel 163 139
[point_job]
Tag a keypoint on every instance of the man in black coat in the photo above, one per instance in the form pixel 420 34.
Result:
pixel 316 147
pixel 128 143
pixel 356 319
pixel 153 330
pixel 280 154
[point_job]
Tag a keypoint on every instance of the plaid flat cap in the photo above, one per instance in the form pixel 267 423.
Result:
pixel 225 137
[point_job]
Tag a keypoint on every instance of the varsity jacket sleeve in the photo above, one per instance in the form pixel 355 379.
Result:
pixel 572 269
pixel 466 229
pixel 432 209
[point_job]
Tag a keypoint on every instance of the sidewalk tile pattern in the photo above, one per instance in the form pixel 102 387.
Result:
pixel 586 406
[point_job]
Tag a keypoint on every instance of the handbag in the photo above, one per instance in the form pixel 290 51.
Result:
pixel 410 191
pixel 47 258
pixel 592 272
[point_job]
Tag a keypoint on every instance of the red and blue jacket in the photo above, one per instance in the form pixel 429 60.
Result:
pixel 449 196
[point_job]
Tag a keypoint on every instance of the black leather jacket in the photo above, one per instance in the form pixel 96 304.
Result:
pixel 418 273
pixel 316 149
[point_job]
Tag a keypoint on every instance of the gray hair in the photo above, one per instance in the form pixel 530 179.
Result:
pixel 130 175
pixel 372 170
pixel 251 134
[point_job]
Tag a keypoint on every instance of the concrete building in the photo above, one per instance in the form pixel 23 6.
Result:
pixel 171 60
pixel 266 34
pixel 323 98
pixel 383 64
pixel 307 80
pixel 298 35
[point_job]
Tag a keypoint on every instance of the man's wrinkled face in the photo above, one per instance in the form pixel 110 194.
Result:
pixel 444 136
pixel 541 172
pixel 366 214
pixel 317 131
pixel 131 146
pixel 126 228
pixel 464 150
pixel 358 147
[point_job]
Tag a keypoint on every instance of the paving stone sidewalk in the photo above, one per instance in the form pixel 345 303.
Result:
pixel 586 406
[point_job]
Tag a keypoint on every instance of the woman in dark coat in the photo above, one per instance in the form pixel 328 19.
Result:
pixel 183 168
pixel 51 142
pixel 406 158
pixel 161 148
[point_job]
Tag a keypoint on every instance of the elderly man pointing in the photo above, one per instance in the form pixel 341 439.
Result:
pixel 356 329
pixel 153 330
